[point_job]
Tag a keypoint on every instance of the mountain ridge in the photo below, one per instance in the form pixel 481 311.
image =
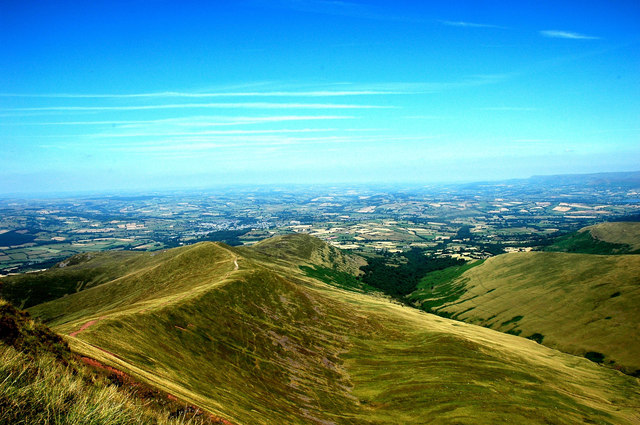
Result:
pixel 249 337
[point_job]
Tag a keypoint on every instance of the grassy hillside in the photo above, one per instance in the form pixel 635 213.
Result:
pixel 79 272
pixel 440 287
pixel 603 238
pixel 626 233
pixel 579 303
pixel 42 382
pixel 246 334
pixel 302 248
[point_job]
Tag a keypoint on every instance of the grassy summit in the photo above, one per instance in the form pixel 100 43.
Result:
pixel 246 334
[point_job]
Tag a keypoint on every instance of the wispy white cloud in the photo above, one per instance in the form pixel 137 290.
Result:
pixel 470 24
pixel 378 12
pixel 567 35
pixel 426 87
pixel 195 121
pixel 245 141
pixel 194 135
pixel 244 105
pixel 209 132
pixel 173 94
pixel 342 89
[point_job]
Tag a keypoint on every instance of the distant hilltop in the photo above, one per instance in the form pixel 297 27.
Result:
pixel 626 180
pixel 593 179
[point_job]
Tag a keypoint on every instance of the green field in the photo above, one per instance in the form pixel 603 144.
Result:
pixel 246 334
pixel 577 303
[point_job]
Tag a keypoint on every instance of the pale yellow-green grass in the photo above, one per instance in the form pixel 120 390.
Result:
pixel 261 343
pixel 579 303
pixel 627 233
pixel 40 390
pixel 79 272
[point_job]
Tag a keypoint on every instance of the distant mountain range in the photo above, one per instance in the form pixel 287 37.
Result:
pixel 631 178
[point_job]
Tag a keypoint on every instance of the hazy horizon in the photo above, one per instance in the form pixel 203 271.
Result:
pixel 105 97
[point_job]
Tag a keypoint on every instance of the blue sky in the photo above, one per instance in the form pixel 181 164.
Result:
pixel 153 94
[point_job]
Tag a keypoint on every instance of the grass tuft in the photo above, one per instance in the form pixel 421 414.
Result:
pixel 41 390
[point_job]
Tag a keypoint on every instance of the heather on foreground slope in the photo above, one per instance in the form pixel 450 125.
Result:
pixel 42 382
pixel 43 391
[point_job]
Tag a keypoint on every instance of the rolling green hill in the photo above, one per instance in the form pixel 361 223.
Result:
pixel 578 303
pixel 295 248
pixel 246 334
pixel 79 272
pixel 626 233
pixel 603 238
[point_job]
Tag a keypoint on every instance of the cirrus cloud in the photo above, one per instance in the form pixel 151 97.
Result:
pixel 567 35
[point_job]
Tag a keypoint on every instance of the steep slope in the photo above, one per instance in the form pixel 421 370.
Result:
pixel 42 382
pixel 245 334
pixel 579 303
pixel 625 233
pixel 79 272
pixel 603 238
pixel 156 281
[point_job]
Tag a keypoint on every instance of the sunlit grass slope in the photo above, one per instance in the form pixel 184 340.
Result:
pixel 245 334
pixel 627 233
pixel 603 238
pixel 42 382
pixel 579 303
pixel 296 248
pixel 79 272
pixel 41 390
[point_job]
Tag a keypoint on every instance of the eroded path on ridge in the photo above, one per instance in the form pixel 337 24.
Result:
pixel 85 326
